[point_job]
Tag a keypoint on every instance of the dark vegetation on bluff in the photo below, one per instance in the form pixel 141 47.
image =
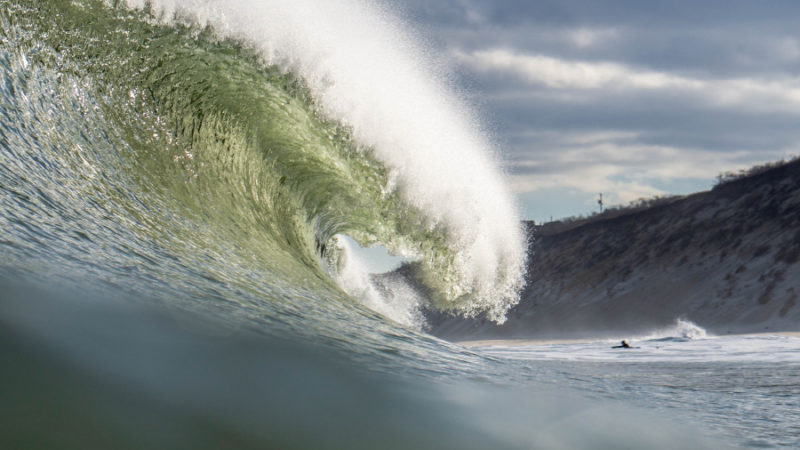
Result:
pixel 727 259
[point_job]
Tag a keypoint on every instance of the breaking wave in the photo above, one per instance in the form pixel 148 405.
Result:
pixel 149 144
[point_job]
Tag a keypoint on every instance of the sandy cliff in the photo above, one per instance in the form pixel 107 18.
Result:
pixel 727 259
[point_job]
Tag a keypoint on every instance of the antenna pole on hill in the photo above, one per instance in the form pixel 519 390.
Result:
pixel 600 202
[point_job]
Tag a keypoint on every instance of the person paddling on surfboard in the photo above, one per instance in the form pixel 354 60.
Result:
pixel 623 344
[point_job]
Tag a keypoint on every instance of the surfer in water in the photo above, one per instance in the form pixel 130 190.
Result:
pixel 623 344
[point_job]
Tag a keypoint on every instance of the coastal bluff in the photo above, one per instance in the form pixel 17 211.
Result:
pixel 727 260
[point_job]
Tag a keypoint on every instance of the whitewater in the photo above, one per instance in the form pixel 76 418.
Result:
pixel 183 187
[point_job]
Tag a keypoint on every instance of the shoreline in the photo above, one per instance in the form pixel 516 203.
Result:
pixel 556 341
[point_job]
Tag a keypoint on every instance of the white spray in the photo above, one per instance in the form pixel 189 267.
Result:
pixel 682 329
pixel 394 299
pixel 367 72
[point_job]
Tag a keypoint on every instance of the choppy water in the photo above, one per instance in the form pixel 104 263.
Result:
pixel 174 185
pixel 745 386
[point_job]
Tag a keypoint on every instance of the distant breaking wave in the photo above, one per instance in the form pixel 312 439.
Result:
pixel 236 141
pixel 681 330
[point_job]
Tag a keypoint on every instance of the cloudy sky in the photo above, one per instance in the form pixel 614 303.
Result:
pixel 628 98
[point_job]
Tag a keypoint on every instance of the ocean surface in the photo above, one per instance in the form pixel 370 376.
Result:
pixel 746 386
pixel 183 186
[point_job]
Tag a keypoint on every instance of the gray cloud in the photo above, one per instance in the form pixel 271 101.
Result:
pixel 653 13
pixel 624 94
